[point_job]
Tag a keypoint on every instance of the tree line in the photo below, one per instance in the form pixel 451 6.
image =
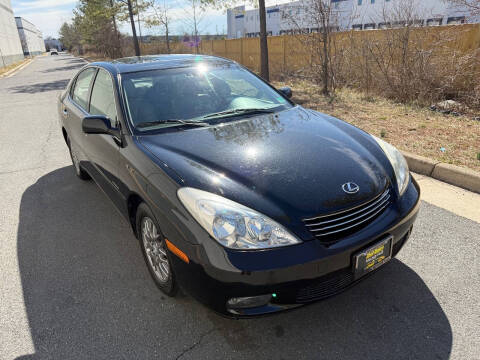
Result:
pixel 96 24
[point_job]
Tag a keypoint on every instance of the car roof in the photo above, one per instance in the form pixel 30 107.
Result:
pixel 158 62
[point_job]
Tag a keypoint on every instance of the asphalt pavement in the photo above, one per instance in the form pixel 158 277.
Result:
pixel 73 284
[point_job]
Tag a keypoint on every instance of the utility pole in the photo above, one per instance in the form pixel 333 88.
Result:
pixel 263 41
pixel 117 34
pixel 134 31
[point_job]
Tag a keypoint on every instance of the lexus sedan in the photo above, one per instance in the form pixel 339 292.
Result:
pixel 246 201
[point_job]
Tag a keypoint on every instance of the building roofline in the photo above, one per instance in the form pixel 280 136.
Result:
pixel 23 19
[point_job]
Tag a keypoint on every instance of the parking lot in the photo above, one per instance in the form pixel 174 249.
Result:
pixel 73 283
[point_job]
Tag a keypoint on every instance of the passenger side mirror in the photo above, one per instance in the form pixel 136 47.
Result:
pixel 98 124
pixel 286 90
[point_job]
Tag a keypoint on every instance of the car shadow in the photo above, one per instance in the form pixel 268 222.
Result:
pixel 75 60
pixel 65 68
pixel 40 87
pixel 88 294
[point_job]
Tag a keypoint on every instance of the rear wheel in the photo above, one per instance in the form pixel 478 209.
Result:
pixel 155 251
pixel 82 174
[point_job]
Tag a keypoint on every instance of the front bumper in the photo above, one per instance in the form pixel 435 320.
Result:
pixel 297 274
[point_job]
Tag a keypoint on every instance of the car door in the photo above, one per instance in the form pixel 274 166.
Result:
pixel 102 150
pixel 75 108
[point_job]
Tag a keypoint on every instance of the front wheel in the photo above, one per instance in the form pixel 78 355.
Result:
pixel 81 174
pixel 155 251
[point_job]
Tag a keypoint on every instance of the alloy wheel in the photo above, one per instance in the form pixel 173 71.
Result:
pixel 155 250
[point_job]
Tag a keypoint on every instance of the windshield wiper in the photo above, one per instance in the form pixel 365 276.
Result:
pixel 170 121
pixel 240 111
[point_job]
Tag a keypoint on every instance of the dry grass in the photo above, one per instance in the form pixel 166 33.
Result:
pixel 7 68
pixel 410 128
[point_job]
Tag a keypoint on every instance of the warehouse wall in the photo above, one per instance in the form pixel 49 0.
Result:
pixel 30 37
pixel 10 46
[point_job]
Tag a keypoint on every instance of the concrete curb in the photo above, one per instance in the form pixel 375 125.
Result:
pixel 455 175
pixel 420 164
pixel 11 72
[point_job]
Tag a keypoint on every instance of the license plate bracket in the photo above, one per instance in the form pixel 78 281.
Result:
pixel 372 257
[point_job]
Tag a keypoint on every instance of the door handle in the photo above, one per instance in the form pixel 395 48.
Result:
pixel 65 112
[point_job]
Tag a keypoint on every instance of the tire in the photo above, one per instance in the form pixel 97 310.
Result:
pixel 154 250
pixel 81 174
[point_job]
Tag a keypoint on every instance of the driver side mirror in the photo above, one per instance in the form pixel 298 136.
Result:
pixel 286 90
pixel 98 124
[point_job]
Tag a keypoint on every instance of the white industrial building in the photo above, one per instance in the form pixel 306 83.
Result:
pixel 10 46
pixel 30 37
pixel 297 16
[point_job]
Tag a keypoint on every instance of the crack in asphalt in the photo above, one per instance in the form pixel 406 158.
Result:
pixel 196 343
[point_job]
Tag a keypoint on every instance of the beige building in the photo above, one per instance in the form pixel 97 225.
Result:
pixel 30 37
pixel 10 46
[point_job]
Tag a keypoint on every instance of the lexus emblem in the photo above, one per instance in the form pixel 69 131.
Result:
pixel 350 188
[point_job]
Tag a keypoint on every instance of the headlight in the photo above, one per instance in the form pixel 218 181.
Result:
pixel 398 162
pixel 234 225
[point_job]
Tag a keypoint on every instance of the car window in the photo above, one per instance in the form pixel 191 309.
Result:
pixel 239 85
pixel 195 93
pixel 80 92
pixel 102 101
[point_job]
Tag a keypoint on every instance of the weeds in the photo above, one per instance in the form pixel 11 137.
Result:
pixel 460 135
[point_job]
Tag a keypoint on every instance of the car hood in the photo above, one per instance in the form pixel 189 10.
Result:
pixel 290 163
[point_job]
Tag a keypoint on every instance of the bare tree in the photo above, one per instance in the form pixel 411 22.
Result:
pixel 138 20
pixel 130 15
pixel 134 31
pixel 194 16
pixel 160 16
pixel 318 20
pixel 127 9
pixel 141 6
pixel 118 47
pixel 412 63
pixel 225 4
pixel 473 6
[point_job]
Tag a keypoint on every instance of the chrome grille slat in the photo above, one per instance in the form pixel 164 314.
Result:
pixel 361 222
pixel 354 219
pixel 344 211
pixel 331 227
pixel 384 197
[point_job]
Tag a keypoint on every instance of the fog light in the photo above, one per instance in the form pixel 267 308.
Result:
pixel 248 301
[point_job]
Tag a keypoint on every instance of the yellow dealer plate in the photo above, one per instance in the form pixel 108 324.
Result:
pixel 371 258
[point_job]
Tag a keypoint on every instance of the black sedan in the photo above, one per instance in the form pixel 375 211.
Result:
pixel 241 198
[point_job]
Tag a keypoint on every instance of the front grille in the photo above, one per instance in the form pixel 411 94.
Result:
pixel 330 228
pixel 335 282
pixel 325 286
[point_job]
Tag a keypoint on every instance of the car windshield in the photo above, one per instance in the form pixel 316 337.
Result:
pixel 201 93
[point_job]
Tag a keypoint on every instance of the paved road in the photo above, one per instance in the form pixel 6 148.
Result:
pixel 73 283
